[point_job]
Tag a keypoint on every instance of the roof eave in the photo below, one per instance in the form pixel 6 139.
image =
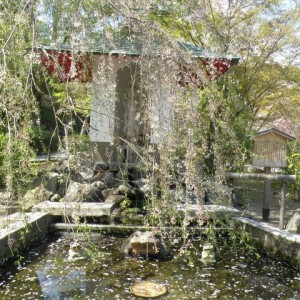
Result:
pixel 279 132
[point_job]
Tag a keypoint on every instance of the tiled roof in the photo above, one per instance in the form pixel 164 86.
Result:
pixel 137 48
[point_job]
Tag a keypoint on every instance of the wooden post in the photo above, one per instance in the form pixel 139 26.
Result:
pixel 282 205
pixel 233 198
pixel 267 196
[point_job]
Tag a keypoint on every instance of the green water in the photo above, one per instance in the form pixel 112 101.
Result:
pixel 47 274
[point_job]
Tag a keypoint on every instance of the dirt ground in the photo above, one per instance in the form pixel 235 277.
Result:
pixel 249 195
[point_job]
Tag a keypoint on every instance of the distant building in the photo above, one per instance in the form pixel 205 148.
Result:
pixel 270 148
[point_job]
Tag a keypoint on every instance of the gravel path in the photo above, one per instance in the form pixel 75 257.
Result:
pixel 250 196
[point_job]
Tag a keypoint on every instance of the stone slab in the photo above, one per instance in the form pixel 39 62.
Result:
pixel 271 239
pixel 208 211
pixel 20 230
pixel 82 209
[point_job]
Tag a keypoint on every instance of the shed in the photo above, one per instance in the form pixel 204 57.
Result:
pixel 118 114
pixel 270 148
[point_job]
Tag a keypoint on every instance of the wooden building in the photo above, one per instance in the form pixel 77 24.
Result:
pixel 270 148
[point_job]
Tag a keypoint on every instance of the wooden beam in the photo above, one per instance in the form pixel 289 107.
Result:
pixel 282 205
pixel 261 176
pixel 267 197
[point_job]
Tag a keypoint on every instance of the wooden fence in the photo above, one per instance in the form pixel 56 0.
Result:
pixel 269 177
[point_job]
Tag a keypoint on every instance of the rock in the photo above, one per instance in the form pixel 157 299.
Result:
pixel 208 254
pixel 100 166
pixel 99 185
pixel 4 196
pixel 125 189
pixel 36 196
pixel 120 175
pixel 76 252
pixel 2 210
pixel 148 289
pixel 293 225
pixel 86 173
pixel 51 182
pixel 91 194
pixel 115 199
pixel 83 192
pixel 109 192
pixel 217 192
pixel 114 166
pixel 72 175
pixel 109 180
pixel 55 198
pixel 142 185
pixel 125 175
pixel 144 243
pixel 98 176
pixel 73 192
pixel 62 185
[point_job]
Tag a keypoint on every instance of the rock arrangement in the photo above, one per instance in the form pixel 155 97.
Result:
pixel 108 183
pixel 120 184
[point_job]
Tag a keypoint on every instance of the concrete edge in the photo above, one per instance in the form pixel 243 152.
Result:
pixel 20 234
pixel 208 210
pixel 271 239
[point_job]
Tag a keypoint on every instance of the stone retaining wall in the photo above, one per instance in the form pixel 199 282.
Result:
pixel 274 241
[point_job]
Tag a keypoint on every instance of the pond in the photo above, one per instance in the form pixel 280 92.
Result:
pixel 47 273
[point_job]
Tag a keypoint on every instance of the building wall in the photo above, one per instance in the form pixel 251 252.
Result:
pixel 104 97
pixel 116 101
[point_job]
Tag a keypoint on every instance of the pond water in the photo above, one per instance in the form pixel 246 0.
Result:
pixel 48 274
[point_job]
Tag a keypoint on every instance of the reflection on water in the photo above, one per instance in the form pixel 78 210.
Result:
pixel 59 286
pixel 50 275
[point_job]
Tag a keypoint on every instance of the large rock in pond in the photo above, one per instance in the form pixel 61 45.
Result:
pixel 146 242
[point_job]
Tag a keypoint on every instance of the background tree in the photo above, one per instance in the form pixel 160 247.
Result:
pixel 214 123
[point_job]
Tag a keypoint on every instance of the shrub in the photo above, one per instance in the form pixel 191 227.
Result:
pixel 43 140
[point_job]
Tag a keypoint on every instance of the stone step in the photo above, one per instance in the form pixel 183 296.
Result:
pixel 82 209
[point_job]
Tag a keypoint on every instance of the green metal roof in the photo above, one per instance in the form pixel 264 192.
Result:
pixel 138 48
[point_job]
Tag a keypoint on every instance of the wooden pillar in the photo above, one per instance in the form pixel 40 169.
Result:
pixel 282 205
pixel 230 182
pixel 267 196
